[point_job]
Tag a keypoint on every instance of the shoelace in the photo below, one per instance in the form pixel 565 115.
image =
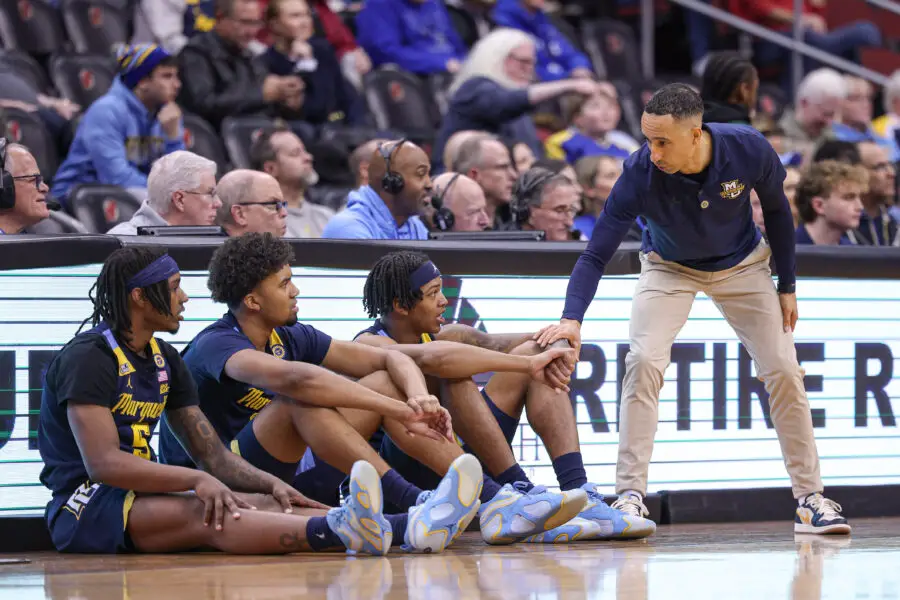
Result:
pixel 829 509
pixel 631 504
pixel 522 487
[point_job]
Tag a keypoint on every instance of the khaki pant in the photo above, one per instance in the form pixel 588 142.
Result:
pixel 747 298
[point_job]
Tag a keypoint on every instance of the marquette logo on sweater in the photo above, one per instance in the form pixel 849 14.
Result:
pixel 732 189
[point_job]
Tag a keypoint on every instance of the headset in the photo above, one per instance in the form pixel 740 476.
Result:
pixel 444 218
pixel 392 182
pixel 7 183
pixel 524 190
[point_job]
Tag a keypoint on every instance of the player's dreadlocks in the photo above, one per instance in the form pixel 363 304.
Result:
pixel 724 72
pixel 241 263
pixel 389 281
pixel 110 292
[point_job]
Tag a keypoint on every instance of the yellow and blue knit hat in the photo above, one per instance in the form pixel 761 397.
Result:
pixel 138 61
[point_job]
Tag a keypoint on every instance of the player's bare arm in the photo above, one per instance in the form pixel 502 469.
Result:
pixel 498 342
pixel 199 439
pixel 310 384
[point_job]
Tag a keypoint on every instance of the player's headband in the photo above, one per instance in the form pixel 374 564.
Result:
pixel 423 275
pixel 159 270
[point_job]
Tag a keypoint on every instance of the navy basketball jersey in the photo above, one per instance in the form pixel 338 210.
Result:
pixel 227 403
pixel 378 328
pixel 94 368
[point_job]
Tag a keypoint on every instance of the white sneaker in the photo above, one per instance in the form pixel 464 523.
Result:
pixel 631 505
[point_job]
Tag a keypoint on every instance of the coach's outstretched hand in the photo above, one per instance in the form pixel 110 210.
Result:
pixel 288 497
pixel 216 498
pixel 567 329
pixel 554 368
pixel 788 311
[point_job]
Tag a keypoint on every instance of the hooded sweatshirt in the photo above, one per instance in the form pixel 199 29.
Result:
pixel 116 143
pixel 720 112
pixel 144 217
pixel 367 218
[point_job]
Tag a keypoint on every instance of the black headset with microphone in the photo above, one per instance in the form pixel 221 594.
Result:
pixel 444 219
pixel 526 187
pixel 7 183
pixel 391 182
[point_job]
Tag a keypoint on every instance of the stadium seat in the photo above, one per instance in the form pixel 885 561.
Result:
pixel 82 78
pixel 771 101
pixel 101 207
pixel 58 222
pixel 612 48
pixel 238 133
pixel 437 85
pixel 202 139
pixel 464 25
pixel 32 26
pixel 26 67
pixel 398 101
pixel 27 129
pixel 567 30
pixel 94 26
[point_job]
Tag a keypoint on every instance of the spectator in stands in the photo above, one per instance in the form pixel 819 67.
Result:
pixel 327 97
pixel 829 199
pixel 181 190
pixel 791 181
pixel 729 89
pixel 494 92
pixel 817 106
pixel 223 78
pixel 876 226
pixel 415 35
pixel 592 129
pixel 480 13
pixel 451 149
pixel 388 207
pixel 136 122
pixel 522 156
pixel 251 202
pixel 54 113
pixel 544 201
pixel 856 117
pixel 597 175
pixel 30 206
pixel 838 150
pixel 556 57
pixel 171 23
pixel 464 199
pixel 486 161
pixel 561 167
pixel 355 62
pixel 281 154
pixel 843 41
pixel 359 160
pixel 888 124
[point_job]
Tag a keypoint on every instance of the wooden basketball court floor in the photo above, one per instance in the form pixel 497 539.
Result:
pixel 758 561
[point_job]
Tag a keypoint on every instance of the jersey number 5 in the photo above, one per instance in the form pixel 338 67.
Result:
pixel 141 442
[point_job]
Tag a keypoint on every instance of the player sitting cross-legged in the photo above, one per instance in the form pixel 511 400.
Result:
pixel 270 387
pixel 103 395
pixel 403 290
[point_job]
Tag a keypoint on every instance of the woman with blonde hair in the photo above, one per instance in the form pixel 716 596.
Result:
pixel 494 91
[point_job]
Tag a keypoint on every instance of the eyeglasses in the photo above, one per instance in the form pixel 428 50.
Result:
pixel 275 204
pixel 562 211
pixel 38 179
pixel 211 193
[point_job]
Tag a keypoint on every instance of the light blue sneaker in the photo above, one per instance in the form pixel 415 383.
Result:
pixel 598 521
pixel 515 514
pixel 359 521
pixel 440 516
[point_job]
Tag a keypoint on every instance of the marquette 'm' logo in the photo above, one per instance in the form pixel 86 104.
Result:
pixel 732 189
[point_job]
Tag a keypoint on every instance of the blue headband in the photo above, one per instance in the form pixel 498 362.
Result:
pixel 159 270
pixel 423 275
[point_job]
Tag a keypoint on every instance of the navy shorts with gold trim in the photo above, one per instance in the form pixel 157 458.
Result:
pixel 248 447
pixel 92 520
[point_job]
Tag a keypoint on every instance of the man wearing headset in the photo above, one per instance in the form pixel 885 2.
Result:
pixel 544 201
pixel 387 208
pixel 458 204
pixel 23 193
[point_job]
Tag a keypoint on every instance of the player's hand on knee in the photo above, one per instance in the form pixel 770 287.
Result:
pixel 426 404
pixel 217 498
pixel 288 497
pixel 552 368
pixel 437 425
pixel 567 329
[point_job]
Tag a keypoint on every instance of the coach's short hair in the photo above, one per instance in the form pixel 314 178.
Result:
pixel 676 99
pixel 820 181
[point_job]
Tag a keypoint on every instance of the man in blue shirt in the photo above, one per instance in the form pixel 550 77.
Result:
pixel 387 208
pixel 691 183
pixel 103 395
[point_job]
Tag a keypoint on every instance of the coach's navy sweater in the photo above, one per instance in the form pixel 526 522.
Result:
pixel 707 227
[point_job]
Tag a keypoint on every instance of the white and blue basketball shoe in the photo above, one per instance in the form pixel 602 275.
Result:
pixel 598 521
pixel 442 515
pixel 359 521
pixel 515 514
pixel 817 514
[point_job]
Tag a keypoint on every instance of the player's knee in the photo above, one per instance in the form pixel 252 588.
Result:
pixel 529 348
pixel 381 382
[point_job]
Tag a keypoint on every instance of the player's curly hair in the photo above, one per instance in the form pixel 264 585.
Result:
pixel 109 294
pixel 389 281
pixel 241 263
pixel 724 72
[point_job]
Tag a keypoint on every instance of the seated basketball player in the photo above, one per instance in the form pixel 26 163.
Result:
pixel 103 395
pixel 254 369
pixel 403 290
